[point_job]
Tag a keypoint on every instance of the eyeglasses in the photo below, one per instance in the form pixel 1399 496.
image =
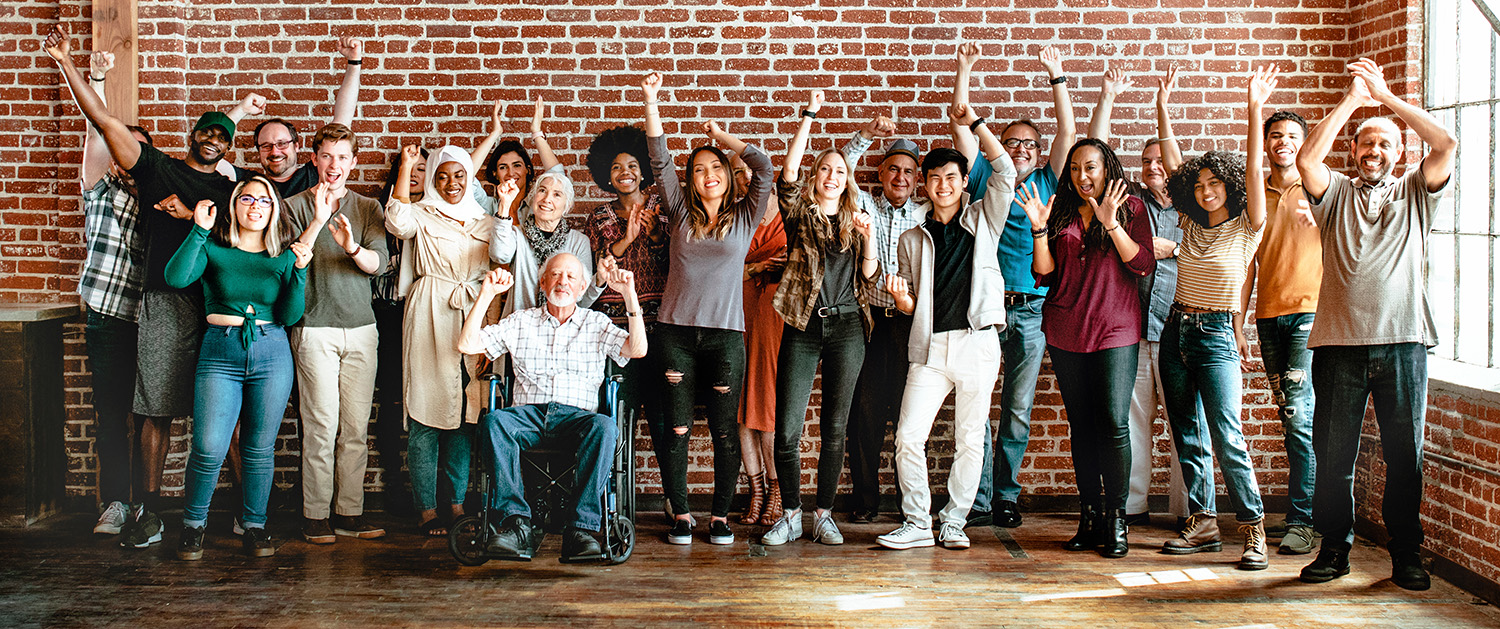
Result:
pixel 266 146
pixel 261 201
pixel 1015 142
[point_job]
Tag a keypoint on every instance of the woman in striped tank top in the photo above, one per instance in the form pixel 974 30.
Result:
pixel 1222 223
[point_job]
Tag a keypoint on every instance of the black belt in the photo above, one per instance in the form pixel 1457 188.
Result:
pixel 834 311
pixel 889 313
pixel 1017 299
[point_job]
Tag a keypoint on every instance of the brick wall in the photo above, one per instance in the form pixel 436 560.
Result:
pixel 430 70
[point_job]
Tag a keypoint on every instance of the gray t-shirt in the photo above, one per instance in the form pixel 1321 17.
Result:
pixel 338 293
pixel 1374 249
pixel 838 280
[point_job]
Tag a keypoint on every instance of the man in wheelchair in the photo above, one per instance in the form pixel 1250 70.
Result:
pixel 558 353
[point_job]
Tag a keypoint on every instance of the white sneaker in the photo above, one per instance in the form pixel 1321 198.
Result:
pixel 826 532
pixel 788 528
pixel 907 536
pixel 952 536
pixel 112 519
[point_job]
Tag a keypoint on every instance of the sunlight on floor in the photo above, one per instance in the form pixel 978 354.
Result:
pixel 860 602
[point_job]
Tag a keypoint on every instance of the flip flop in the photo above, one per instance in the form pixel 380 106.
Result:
pixel 434 528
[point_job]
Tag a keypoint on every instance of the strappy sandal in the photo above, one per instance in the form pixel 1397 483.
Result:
pixel 434 528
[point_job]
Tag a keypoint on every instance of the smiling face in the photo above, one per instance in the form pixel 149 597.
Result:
pixel 1283 142
pixel 945 185
pixel 1086 169
pixel 208 145
pixel 1376 150
pixel 450 181
pixel 1153 170
pixel 830 176
pixel 741 172
pixel 562 280
pixel 710 176
pixel 253 207
pixel 898 177
pixel 549 202
pixel 510 167
pixel 1024 145
pixel 625 174
pixel 1209 191
pixel 334 160
pixel 278 150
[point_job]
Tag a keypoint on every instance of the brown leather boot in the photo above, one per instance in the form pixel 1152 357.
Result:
pixel 1200 534
pixel 1254 556
pixel 772 512
pixel 757 499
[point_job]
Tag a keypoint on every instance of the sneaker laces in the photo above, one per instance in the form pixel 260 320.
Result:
pixel 905 529
pixel 951 530
pixel 1255 535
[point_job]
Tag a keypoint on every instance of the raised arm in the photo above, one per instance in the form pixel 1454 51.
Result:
pixel 188 262
pixel 1262 83
pixel 1002 182
pixel 1115 83
pixel 251 105
pixel 346 100
pixel 1067 133
pixel 95 153
pixel 963 64
pixel 1437 166
pixel 1038 211
pixel 398 218
pixel 650 90
pixel 503 238
pixel 496 282
pixel 1171 155
pixel 791 166
pixel 762 174
pixel 482 150
pixel 122 145
pixel 544 153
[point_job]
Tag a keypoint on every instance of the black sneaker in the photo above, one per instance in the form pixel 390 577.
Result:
pixel 513 542
pixel 257 542
pixel 719 533
pixel 1407 571
pixel 142 529
pixel 1329 565
pixel 317 532
pixel 190 544
pixel 356 526
pixel 681 533
pixel 579 546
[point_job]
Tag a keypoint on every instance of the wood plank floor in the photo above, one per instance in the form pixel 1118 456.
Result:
pixel 60 575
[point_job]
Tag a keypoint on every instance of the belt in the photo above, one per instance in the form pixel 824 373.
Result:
pixel 1179 307
pixel 889 313
pixel 834 311
pixel 1017 299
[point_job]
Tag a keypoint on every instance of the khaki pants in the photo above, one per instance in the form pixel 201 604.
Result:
pixel 336 384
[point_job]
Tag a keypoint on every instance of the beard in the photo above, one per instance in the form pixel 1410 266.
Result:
pixel 560 300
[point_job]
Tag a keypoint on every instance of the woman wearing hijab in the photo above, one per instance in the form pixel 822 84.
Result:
pixel 448 242
pixel 542 232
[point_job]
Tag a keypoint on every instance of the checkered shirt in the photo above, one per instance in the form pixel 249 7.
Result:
pixel 114 271
pixel 889 222
pixel 556 362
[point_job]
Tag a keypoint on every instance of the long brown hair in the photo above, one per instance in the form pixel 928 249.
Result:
pixel 698 224
pixel 841 229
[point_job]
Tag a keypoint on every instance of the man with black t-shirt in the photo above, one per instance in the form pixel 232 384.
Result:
pixel 171 319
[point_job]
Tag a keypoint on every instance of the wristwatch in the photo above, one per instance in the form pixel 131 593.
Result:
pixel 1176 249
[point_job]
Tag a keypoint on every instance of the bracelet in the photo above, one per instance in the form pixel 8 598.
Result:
pixel 810 114
pixel 1117 226
pixel 538 135
pixel 632 314
pixel 871 257
pixel 974 126
pixel 1058 81
pixel 651 102
pixel 98 80
pixel 357 249
pixel 1041 231
pixel 354 62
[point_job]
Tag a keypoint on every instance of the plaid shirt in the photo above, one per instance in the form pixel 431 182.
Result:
pixel 114 272
pixel 556 362
pixel 890 222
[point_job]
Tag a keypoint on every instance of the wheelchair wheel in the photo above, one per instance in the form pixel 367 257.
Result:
pixel 466 540
pixel 621 539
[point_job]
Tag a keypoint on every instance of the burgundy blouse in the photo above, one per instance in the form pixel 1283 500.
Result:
pixel 1094 303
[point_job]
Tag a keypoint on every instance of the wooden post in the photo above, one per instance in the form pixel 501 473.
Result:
pixel 115 31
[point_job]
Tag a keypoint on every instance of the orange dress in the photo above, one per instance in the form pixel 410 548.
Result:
pixel 762 330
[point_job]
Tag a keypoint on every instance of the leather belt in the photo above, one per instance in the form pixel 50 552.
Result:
pixel 834 311
pixel 1017 299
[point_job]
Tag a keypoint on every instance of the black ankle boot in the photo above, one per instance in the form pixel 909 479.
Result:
pixel 1088 529
pixel 1112 536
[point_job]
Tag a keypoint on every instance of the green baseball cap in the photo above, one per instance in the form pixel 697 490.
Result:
pixel 214 118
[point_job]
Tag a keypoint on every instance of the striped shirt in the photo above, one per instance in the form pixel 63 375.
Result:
pixel 114 271
pixel 1212 263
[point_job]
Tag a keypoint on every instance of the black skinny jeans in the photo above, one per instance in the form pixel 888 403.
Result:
pixel 1096 388
pixel 877 405
pixel 706 358
pixel 839 342
pixel 112 351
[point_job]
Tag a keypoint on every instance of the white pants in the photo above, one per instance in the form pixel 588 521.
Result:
pixel 1143 413
pixel 966 362
pixel 336 385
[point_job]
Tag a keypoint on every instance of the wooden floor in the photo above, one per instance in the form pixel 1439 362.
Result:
pixel 60 575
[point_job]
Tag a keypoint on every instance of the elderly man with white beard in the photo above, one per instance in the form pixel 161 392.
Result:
pixel 557 353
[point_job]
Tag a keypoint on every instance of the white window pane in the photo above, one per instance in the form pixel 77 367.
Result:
pixel 1473 299
pixel 1442 43
pixel 1474 168
pixel 1440 289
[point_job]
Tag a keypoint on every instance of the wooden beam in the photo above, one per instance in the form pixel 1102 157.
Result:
pixel 115 31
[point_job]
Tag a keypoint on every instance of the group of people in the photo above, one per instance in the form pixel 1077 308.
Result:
pixel 708 291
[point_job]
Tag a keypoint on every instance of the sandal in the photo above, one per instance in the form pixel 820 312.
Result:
pixel 434 528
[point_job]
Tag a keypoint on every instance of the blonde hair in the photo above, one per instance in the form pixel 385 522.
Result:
pixel 841 229
pixel 277 236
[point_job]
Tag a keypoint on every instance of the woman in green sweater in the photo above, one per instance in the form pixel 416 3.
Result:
pixel 252 273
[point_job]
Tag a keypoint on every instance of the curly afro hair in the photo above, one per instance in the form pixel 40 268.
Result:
pixel 609 145
pixel 1228 167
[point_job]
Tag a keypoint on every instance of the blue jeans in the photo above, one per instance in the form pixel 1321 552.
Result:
pixel 112 349
pixel 839 343
pixel 426 447
pixel 1394 378
pixel 1021 346
pixel 237 385
pixel 1283 347
pixel 1096 389
pixel 1200 363
pixel 519 428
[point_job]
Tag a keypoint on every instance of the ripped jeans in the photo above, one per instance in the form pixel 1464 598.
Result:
pixel 1283 348
pixel 712 367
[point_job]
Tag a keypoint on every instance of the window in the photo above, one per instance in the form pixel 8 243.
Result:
pixel 1462 58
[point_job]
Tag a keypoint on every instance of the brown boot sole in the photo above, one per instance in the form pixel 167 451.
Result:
pixel 1212 547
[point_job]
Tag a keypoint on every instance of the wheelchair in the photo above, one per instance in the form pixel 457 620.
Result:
pixel 548 471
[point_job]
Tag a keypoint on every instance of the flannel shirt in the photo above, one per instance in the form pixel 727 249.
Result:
pixel 114 271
